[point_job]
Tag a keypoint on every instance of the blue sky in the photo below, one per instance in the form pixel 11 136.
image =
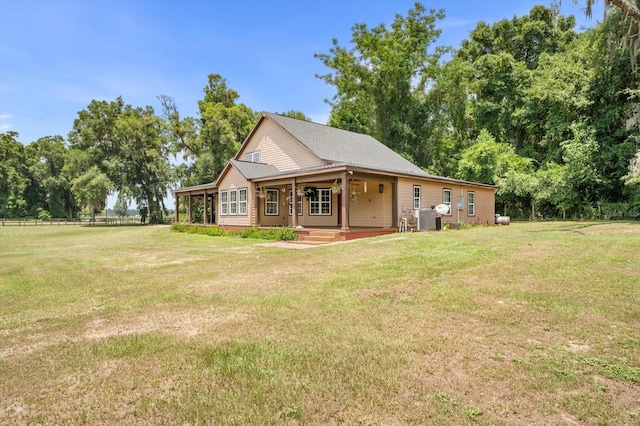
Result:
pixel 57 56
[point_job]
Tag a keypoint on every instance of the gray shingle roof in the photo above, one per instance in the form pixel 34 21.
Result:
pixel 254 170
pixel 342 146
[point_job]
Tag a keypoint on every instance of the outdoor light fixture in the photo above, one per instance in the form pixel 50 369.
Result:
pixel 381 188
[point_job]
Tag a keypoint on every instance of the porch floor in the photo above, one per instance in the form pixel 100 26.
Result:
pixel 319 235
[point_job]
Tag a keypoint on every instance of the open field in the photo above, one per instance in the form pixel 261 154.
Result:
pixel 525 324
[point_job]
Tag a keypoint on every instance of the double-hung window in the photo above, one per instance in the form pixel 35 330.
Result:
pixel 252 157
pixel 224 202
pixel 471 203
pixel 320 203
pixel 299 202
pixel 233 202
pixel 416 197
pixel 271 202
pixel 242 201
pixel 446 199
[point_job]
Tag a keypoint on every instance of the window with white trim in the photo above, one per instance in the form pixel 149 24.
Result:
pixel 224 202
pixel 416 197
pixel 299 198
pixel 242 201
pixel 320 203
pixel 252 157
pixel 446 199
pixel 233 202
pixel 471 203
pixel 271 202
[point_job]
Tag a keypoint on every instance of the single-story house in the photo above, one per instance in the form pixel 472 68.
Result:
pixel 291 172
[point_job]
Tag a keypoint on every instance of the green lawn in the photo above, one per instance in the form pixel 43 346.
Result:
pixel 524 324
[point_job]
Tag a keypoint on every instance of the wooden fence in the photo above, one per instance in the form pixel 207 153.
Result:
pixel 110 221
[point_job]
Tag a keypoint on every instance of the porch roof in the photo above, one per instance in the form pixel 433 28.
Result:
pixel 197 189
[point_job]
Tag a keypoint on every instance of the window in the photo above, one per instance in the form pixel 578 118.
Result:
pixel 252 157
pixel 242 201
pixel 271 202
pixel 233 202
pixel 416 197
pixel 446 199
pixel 224 202
pixel 320 203
pixel 471 203
pixel 291 204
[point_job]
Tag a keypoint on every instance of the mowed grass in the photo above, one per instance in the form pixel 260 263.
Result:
pixel 526 324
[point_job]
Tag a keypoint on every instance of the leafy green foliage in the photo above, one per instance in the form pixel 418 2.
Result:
pixel 129 146
pixel 274 234
pixel 91 190
pixel 50 186
pixel 380 80
pixel 13 176
pixel 209 142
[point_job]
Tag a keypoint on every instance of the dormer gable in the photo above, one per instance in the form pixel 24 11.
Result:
pixel 269 143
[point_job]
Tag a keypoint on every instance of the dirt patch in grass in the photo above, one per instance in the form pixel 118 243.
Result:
pixel 23 341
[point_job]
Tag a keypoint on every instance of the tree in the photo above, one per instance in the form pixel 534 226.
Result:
pixel 13 176
pixel 129 146
pixel 503 57
pixel 486 160
pixel 556 96
pixel 628 33
pixel 145 172
pixel 381 73
pixel 224 125
pixel 91 190
pixel 525 38
pixel 633 177
pixel 209 142
pixel 492 162
pixel 50 189
pixel 295 114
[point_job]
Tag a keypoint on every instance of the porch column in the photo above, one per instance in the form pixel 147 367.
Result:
pixel 394 203
pixel 294 204
pixel 190 209
pixel 177 208
pixel 345 202
pixel 214 199
pixel 205 219
pixel 257 205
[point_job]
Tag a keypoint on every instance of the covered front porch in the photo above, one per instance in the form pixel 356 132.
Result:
pixel 346 200
pixel 343 200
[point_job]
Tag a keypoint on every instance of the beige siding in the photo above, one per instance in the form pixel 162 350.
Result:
pixel 309 221
pixel 485 206
pixel 279 148
pixel 431 195
pixel 234 180
pixel 371 208
pixel 282 219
